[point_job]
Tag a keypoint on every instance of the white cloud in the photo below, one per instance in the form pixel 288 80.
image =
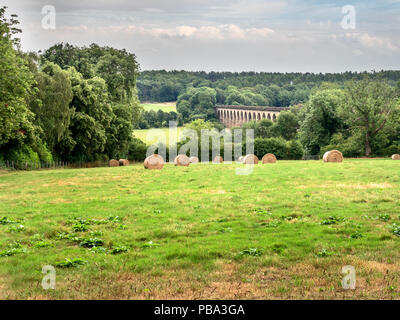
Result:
pixel 259 35
pixel 381 44
pixel 219 32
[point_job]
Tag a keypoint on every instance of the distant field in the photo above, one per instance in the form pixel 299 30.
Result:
pixel 202 232
pixel 142 134
pixel 166 107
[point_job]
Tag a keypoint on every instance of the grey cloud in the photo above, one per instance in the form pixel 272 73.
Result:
pixel 122 5
pixel 290 35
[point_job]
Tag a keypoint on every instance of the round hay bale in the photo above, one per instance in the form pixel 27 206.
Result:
pixel 240 159
pixel 194 160
pixel 218 159
pixel 123 162
pixel 333 156
pixel 154 162
pixel 113 163
pixel 250 159
pixel 396 157
pixel 269 158
pixel 182 160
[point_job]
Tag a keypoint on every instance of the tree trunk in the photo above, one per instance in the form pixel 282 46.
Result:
pixel 367 145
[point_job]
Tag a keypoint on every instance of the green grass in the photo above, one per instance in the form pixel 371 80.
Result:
pixel 142 135
pixel 166 107
pixel 285 231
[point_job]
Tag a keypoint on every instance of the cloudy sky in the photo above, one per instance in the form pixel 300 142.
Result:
pixel 225 35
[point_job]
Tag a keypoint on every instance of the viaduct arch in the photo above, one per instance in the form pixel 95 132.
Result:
pixel 235 116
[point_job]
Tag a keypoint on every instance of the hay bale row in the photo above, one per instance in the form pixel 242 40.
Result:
pixel 154 162
pixel 269 158
pixel 250 159
pixel 194 160
pixel 182 160
pixel 113 163
pixel 218 159
pixel 333 156
pixel 118 163
pixel 123 162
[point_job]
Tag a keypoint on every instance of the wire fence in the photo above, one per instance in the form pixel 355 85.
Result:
pixel 311 157
pixel 29 166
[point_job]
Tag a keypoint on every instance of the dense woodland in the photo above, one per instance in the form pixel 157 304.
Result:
pixel 357 113
pixel 74 104
pixel 280 89
pixel 70 104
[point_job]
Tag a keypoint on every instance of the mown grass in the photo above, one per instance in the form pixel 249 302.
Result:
pixel 284 231
pixel 166 107
pixel 142 134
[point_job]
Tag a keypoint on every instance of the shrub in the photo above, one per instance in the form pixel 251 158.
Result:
pixel 70 263
pixel 276 146
pixel 5 220
pixel 42 244
pixel 393 149
pixel 137 150
pixel 396 229
pixel 80 227
pixel 332 220
pixel 324 253
pixel 16 229
pixel 254 252
pixel 12 249
pixel 43 153
pixel 91 242
pixel 356 235
pixel 295 150
pixel 22 155
pixel 118 250
pixel 351 147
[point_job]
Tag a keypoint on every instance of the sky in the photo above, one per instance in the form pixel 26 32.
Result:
pixel 221 35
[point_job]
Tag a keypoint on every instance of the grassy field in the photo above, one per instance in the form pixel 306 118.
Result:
pixel 166 107
pixel 142 135
pixel 283 232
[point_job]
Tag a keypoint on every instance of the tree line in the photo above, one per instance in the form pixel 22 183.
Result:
pixel 164 86
pixel 67 104
pixel 80 104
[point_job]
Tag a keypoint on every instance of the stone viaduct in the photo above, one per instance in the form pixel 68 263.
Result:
pixel 235 116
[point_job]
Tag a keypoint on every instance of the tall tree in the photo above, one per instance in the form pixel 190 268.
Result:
pixel 52 108
pixel 368 106
pixel 320 120
pixel 197 103
pixel 16 81
pixel 287 125
pixel 92 115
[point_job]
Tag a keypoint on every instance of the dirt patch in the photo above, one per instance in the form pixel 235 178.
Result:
pixel 318 279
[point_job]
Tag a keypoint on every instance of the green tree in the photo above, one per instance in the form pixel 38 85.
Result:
pixel 277 146
pixel 287 125
pixel 119 133
pixel 368 106
pixel 262 128
pixel 197 103
pixel 320 120
pixel 15 85
pixel 52 106
pixel 19 137
pixel 91 117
